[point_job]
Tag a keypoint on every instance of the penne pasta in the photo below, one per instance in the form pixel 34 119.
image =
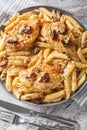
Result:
pixel 16 63
pixel 2 53
pixel 2 43
pixel 57 96
pixel 19 53
pixel 67 86
pixel 32 96
pixel 81 57
pixel 70 26
pixel 81 74
pixel 18 58
pixel 45 11
pixel 46 53
pixel 43 44
pixel 80 65
pixel 81 80
pixel 11 25
pixel 74 81
pixel 84 51
pixel 84 38
pixel 54 55
pixel 74 22
pixel 69 69
pixel 8 82
pixel 12 19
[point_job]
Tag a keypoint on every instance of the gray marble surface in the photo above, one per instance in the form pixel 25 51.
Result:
pixel 70 109
pixel 62 3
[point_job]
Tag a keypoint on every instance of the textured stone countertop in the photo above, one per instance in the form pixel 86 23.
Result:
pixel 70 109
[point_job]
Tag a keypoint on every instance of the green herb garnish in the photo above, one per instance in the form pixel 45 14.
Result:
pixel 38 70
pixel 20 32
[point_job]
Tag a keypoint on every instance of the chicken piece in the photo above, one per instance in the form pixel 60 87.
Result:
pixel 41 78
pixel 50 31
pixel 23 34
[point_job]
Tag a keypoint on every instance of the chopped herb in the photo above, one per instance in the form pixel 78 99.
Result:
pixel 20 32
pixel 38 70
pixel 66 40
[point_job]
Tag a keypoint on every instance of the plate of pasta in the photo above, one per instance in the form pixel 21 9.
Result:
pixel 43 55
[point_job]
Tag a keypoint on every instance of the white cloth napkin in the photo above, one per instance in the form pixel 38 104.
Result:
pixel 14 6
pixel 19 127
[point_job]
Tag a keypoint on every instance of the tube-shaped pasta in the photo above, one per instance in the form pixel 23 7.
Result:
pixel 12 19
pixel 56 54
pixel 67 85
pixel 74 80
pixel 57 96
pixel 81 57
pixel 9 82
pixel 69 69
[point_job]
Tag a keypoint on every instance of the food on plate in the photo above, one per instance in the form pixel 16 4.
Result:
pixel 43 55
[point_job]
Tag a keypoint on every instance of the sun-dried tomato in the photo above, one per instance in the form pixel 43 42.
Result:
pixel 12 41
pixel 28 30
pixel 45 78
pixel 32 78
pixel 53 34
